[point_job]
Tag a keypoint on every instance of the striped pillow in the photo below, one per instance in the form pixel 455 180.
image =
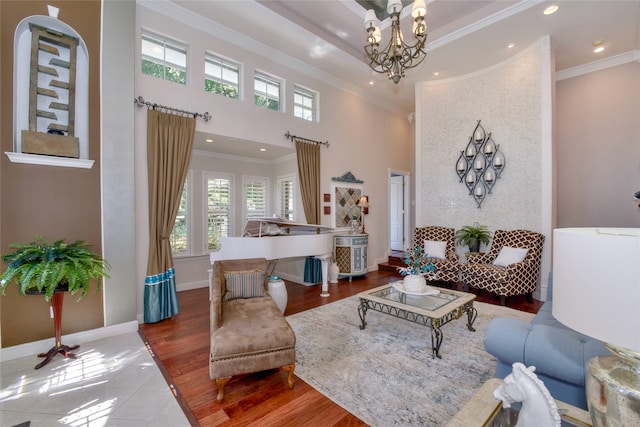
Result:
pixel 244 284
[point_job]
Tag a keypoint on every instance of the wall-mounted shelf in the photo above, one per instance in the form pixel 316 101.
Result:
pixel 37 159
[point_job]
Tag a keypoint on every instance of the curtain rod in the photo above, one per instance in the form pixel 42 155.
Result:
pixel 140 102
pixel 310 141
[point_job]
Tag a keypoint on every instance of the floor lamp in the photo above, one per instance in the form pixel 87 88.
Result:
pixel 596 291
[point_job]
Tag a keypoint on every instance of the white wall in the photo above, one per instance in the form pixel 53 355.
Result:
pixel 364 138
pixel 513 101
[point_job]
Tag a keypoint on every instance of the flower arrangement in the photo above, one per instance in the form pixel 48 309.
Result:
pixel 415 263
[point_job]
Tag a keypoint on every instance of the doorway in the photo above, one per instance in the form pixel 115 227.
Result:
pixel 398 210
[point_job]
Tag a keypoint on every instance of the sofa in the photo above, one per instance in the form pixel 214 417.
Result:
pixel 559 353
pixel 249 332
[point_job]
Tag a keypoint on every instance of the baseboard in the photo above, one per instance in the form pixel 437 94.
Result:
pixel 192 285
pixel 35 347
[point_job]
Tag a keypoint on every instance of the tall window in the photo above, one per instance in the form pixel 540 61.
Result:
pixel 256 196
pixel 180 235
pixel 221 76
pixel 164 58
pixel 286 201
pixel 219 203
pixel 304 103
pixel 267 91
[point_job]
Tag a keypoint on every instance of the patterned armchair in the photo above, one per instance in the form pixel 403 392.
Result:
pixel 516 278
pixel 446 268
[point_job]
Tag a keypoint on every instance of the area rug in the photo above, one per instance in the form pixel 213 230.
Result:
pixel 385 374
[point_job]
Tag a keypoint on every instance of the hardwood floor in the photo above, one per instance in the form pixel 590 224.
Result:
pixel 181 347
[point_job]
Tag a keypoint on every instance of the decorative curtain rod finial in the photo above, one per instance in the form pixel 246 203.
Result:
pixel 293 138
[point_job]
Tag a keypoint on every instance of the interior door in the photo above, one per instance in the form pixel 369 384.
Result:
pixel 396 213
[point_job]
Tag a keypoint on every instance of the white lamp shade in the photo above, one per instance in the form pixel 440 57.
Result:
pixel 371 20
pixel 596 283
pixel 419 8
pixel 394 6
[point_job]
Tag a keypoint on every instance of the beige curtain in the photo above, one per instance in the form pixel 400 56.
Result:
pixel 309 173
pixel 169 143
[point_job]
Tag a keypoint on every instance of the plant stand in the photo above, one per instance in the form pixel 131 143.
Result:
pixel 65 350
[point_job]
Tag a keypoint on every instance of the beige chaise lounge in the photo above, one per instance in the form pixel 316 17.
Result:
pixel 249 333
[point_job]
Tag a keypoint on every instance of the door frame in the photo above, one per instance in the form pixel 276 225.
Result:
pixel 407 206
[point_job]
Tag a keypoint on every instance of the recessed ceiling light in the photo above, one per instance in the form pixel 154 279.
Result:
pixel 551 9
pixel 598 46
pixel 510 45
pixel 263 149
pixel 371 82
pixel 436 73
pixel 208 140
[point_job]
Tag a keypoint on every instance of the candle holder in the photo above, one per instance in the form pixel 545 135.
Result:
pixel 480 164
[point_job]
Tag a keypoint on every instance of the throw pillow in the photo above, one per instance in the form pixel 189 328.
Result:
pixel 509 255
pixel 244 284
pixel 435 249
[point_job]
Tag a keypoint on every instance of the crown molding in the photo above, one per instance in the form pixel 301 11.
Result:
pixel 601 64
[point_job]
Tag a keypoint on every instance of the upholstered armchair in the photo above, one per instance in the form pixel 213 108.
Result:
pixel 439 243
pixel 249 333
pixel 511 266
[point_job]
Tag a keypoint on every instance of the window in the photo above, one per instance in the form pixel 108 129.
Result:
pixel 164 59
pixel 221 76
pixel 285 197
pixel 304 103
pixel 218 208
pixel 256 196
pixel 180 234
pixel 267 91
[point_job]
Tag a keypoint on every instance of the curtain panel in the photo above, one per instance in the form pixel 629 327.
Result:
pixel 169 143
pixel 309 172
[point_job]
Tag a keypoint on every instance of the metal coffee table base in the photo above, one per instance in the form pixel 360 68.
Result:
pixel 433 324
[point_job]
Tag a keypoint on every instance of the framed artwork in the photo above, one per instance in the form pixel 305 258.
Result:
pixel 327 197
pixel 345 201
pixel 327 210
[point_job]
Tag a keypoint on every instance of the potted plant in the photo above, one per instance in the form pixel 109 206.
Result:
pixel 472 235
pixel 51 269
pixel 43 267
pixel 417 266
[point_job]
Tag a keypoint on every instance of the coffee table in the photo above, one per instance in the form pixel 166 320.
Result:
pixel 433 311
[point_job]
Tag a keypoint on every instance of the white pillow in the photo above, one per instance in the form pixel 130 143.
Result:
pixel 435 249
pixel 510 255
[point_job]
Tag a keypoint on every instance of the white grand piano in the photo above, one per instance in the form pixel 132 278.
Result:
pixel 274 238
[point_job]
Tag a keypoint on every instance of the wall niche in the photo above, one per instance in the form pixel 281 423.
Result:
pixel 50 102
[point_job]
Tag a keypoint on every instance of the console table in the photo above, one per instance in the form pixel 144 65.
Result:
pixel 350 253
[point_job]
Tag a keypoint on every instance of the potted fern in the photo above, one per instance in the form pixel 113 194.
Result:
pixel 472 235
pixel 43 267
pixel 51 269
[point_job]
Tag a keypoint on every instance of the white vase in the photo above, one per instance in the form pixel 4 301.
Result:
pixel 334 272
pixel 414 283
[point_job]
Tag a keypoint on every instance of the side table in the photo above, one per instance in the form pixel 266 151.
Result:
pixel 483 409
pixel 350 253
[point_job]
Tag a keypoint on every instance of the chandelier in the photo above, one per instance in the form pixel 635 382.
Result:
pixel 396 56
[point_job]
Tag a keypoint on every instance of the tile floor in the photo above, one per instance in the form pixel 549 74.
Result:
pixel 115 382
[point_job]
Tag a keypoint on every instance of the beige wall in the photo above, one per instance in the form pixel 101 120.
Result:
pixel 56 202
pixel 598 148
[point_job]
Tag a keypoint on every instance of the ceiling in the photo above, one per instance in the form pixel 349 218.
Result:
pixel 325 38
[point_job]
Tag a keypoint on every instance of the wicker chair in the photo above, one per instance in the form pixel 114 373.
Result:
pixel 519 278
pixel 446 269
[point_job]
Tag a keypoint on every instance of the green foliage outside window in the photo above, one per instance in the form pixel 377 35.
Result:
pixel 164 72
pixel 221 89
pixel 271 104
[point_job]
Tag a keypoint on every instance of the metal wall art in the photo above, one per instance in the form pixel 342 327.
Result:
pixel 480 164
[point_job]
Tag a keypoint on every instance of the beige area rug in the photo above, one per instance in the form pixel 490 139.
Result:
pixel 385 374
